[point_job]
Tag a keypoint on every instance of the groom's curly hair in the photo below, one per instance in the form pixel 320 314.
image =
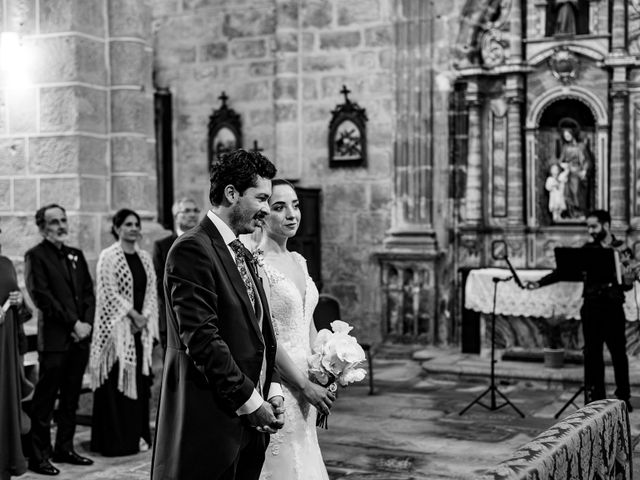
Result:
pixel 239 168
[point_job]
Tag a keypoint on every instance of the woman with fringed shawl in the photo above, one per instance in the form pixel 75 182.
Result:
pixel 125 328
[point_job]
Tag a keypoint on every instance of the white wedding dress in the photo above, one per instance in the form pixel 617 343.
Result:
pixel 293 453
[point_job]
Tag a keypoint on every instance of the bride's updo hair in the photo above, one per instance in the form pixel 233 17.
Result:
pixel 281 181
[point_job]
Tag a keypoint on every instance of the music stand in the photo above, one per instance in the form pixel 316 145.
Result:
pixel 498 245
pixel 577 265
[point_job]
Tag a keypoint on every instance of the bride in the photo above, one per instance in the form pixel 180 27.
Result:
pixel 293 452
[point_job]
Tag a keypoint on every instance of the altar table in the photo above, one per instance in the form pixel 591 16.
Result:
pixel 562 299
pixel 593 443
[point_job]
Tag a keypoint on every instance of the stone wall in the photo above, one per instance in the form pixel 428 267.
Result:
pixel 283 63
pixel 77 129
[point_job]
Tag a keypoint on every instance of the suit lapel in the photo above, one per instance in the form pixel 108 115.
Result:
pixel 59 263
pixel 232 272
pixel 266 314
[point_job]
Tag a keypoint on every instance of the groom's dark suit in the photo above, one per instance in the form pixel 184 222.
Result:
pixel 60 285
pixel 215 350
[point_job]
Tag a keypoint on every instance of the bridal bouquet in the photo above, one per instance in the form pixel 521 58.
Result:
pixel 336 357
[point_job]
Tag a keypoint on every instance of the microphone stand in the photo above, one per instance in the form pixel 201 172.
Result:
pixel 493 388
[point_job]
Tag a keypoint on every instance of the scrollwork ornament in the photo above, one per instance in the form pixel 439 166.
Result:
pixel 564 65
pixel 636 5
pixel 492 48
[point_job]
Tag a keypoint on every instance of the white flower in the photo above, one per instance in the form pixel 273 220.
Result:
pixel 323 337
pixel 351 375
pixel 316 370
pixel 338 326
pixel 258 257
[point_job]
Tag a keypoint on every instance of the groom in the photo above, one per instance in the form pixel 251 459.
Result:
pixel 213 422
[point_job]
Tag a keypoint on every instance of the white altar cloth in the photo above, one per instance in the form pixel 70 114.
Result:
pixel 562 299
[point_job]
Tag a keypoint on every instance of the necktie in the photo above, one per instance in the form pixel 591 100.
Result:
pixel 239 250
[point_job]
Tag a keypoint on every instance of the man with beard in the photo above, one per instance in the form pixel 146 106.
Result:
pixel 602 314
pixel 185 216
pixel 60 285
pixel 214 418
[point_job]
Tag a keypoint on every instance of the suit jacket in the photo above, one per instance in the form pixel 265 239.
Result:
pixel 60 285
pixel 213 361
pixel 160 251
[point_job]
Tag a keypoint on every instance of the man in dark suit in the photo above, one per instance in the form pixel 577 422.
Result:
pixel 60 285
pixel 602 315
pixel 185 216
pixel 213 421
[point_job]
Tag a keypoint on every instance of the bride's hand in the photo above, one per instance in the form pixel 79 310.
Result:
pixel 318 396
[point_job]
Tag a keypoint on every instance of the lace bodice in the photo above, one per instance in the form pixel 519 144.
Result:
pixel 291 314
pixel 293 452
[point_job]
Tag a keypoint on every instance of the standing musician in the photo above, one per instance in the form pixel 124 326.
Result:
pixel 602 314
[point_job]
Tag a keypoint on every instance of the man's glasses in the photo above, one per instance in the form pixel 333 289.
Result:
pixel 190 210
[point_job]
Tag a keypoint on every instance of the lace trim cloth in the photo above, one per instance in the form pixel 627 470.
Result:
pixel 593 443
pixel 112 338
pixel 562 299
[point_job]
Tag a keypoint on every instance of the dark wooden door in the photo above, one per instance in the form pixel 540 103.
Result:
pixel 307 241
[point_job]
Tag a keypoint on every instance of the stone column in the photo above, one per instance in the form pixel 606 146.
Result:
pixel 515 156
pixel 132 146
pixel 472 210
pixel 413 162
pixel 618 168
pixel 54 125
pixel 618 27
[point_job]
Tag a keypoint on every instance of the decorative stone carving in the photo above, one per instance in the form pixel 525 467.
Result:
pixel 481 38
pixel 564 65
pixel 492 48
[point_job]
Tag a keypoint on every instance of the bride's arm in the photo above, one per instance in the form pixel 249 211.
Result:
pixel 316 395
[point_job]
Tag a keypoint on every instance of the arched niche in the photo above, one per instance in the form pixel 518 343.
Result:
pixel 548 116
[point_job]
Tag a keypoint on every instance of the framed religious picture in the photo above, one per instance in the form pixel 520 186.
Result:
pixel 225 131
pixel 348 134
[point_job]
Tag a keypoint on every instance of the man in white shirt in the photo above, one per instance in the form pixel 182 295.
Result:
pixel 213 419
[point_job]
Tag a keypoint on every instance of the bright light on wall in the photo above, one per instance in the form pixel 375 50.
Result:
pixel 14 60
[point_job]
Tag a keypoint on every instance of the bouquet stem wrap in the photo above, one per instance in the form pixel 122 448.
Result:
pixel 322 420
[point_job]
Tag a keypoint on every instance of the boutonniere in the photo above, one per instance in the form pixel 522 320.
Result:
pixel 257 258
pixel 73 258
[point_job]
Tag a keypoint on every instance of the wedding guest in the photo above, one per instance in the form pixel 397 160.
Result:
pixel 126 325
pixel 186 214
pixel 601 301
pixel 13 312
pixel 58 281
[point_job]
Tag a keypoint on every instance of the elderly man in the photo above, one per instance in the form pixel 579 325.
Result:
pixel 58 280
pixel 186 214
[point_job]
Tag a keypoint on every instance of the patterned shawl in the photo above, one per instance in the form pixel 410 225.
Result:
pixel 112 338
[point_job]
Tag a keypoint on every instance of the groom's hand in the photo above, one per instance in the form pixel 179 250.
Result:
pixel 277 403
pixel 263 418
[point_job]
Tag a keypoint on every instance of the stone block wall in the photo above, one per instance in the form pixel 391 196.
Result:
pixel 283 63
pixel 78 130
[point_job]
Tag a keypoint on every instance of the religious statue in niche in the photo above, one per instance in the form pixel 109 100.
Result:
pixel 225 131
pixel 568 17
pixel 348 134
pixel 569 181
